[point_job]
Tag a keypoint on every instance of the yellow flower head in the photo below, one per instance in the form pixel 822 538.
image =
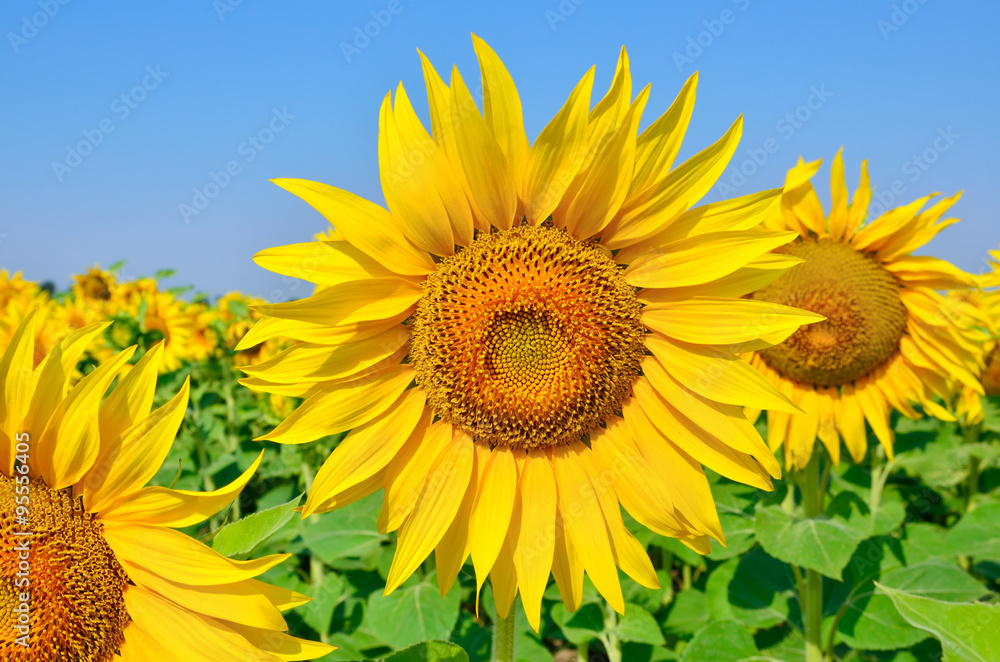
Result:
pixel 90 555
pixel 159 315
pixel 888 340
pixel 531 337
pixel 96 286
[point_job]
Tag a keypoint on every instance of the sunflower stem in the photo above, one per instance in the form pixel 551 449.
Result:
pixel 612 646
pixel 812 601
pixel 503 636
pixel 971 435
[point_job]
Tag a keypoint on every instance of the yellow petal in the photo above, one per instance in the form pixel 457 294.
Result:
pixel 130 401
pixel 482 160
pixel 535 546
pixel 178 557
pixel 557 154
pixel 67 449
pixel 491 511
pixel 743 213
pixel 135 456
pixel 368 448
pixel 584 521
pixel 658 145
pixel 703 258
pixel 691 438
pixel 240 601
pixel 641 493
pixel 837 222
pixel 433 510
pixel 203 638
pixel 688 485
pixel 406 474
pixel 281 645
pixel 859 205
pixel 726 423
pixel 876 412
pixel 342 408
pixel 628 552
pixel 502 112
pixel 756 275
pixel 306 362
pixel 567 568
pixel 643 216
pixel 350 303
pixel 15 371
pixel 453 548
pixel 51 378
pixel 321 262
pixel 717 375
pixel 365 225
pixel 177 508
pixel 720 321
pixel 415 178
pixel 597 193
pixel 274 327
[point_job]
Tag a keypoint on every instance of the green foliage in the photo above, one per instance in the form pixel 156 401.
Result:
pixel 910 568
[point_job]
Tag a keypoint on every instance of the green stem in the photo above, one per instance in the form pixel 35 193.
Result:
pixel 612 646
pixel 971 436
pixel 880 472
pixel 583 652
pixel 812 601
pixel 503 637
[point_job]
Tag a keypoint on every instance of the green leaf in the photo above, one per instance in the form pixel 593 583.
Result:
pixel 735 503
pixel 824 543
pixel 164 273
pixel 117 266
pixel 977 534
pixel 238 308
pixel 429 651
pixel 688 613
pixel 967 632
pixel 756 590
pixel 581 626
pixel 319 612
pixel 239 539
pixel 723 641
pixel 347 532
pixel 872 622
pixel 412 614
pixel 638 625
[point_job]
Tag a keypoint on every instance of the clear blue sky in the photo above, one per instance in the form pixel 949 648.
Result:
pixel 182 86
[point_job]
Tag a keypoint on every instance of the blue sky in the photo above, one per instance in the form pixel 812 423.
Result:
pixel 165 96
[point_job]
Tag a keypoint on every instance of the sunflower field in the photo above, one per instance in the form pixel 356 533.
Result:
pixel 754 429
pixel 908 551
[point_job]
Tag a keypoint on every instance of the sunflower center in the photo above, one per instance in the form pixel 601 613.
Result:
pixel 991 376
pixel 62 585
pixel 527 337
pixel 865 316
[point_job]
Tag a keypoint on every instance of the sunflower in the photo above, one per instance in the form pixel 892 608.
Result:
pixel 238 312
pixel 156 315
pixel 95 287
pixel 531 336
pixel 91 564
pixel 887 341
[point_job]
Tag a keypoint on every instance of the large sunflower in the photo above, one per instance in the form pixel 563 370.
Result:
pixel 91 566
pixel 888 340
pixel 531 336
